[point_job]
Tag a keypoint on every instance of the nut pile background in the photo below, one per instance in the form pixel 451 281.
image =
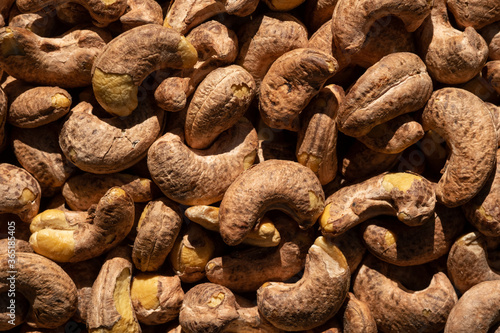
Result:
pixel 250 166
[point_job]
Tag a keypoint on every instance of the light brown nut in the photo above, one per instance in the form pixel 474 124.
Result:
pixel 491 36
pixel 125 62
pixel 265 38
pixel 358 317
pixel 317 136
pixel 408 196
pixel 84 190
pixel 64 61
pixel 109 145
pixel 38 151
pixel 394 136
pixel 141 12
pixel 452 56
pixel 192 250
pixel 395 85
pixel 111 307
pixel 402 245
pixel 474 13
pixel 246 270
pixel 469 315
pixel 290 83
pixel 102 12
pixel 219 101
pixel 312 300
pixel 12 245
pixel 21 192
pixel 491 72
pixel 200 177
pixel 352 19
pixel 495 112
pixel 216 46
pixel 158 227
pixel 77 236
pixel 156 298
pixel 464 121
pixel 273 184
pixel 468 262
pixel 50 291
pixel 426 307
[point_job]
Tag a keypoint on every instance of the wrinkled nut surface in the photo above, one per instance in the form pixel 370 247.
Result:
pixel 141 12
pixel 358 317
pixel 474 13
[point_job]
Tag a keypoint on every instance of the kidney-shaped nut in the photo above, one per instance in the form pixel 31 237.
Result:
pixel 125 62
pixel 200 177
pixel 21 192
pixel 464 121
pixel 273 184
pixel 65 61
pixel 400 309
pixel 219 102
pixel 111 144
pixel 290 84
pixel 395 85
pixel 352 19
pixel 474 13
pixel 312 300
pixel 77 236
pixel 408 196
pixel 50 291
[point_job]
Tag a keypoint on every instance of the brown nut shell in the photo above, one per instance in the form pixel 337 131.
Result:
pixel 358 317
pixel 474 13
pixel 141 12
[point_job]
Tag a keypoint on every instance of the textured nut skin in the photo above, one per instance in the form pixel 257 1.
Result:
pixel 219 101
pixel 491 35
pixel 48 288
pixel 273 184
pixel 352 19
pixel 141 12
pixel 425 310
pixel 452 56
pixel 65 61
pixel 395 85
pixel 491 72
pixel 465 123
pixel 469 315
pixel 401 245
pixel 290 83
pixel 159 226
pixel 181 172
pixel 318 12
pixel 3 118
pixel 474 13
pixel 111 144
pixel 13 182
pixel 357 316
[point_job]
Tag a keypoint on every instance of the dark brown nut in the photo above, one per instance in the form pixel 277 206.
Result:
pixel 21 192
pixel 41 23
pixel 468 262
pixel 82 191
pixel 216 45
pixel 464 121
pixel 156 298
pixel 78 236
pixel 73 13
pixel 352 19
pixel 275 143
pixel 351 245
pixel 111 144
pixel 3 117
pixel 317 137
pixel 181 172
pixel 318 12
pixel 12 314
pixel 394 136
pixel 246 270
pixel 4 11
pixel 141 12
pixel 65 61
pixel 290 83
pixel 111 307
pixel 426 307
pixel 452 56
pixel 408 196
pixel 312 300
pixel 192 250
pixel 280 5
pixel 469 315
pixel 129 58
pixel 220 100
pixel 267 37
pixel 491 72
pixel 102 12
pixel 402 245
pixel 357 316
pixel 395 85
pixel 483 211
pixel 491 36
pixel 50 291
pixel 435 152
pixel 273 184
pixel 474 13
pixel 14 245
pixel 38 151
pixel 158 228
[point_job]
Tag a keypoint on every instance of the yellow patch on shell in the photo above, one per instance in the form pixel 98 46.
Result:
pixel 389 238
pixel 116 93
pixel 58 245
pixel 187 52
pixel 123 305
pixel 9 45
pixel 332 250
pixel 323 220
pixel 26 197
pixel 145 290
pixel 50 219
pixel 60 101
pixel 310 161
pixel 216 300
pixel 249 159
pixel 402 181
pixel 240 90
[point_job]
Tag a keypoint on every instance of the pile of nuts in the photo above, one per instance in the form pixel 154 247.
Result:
pixel 249 166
